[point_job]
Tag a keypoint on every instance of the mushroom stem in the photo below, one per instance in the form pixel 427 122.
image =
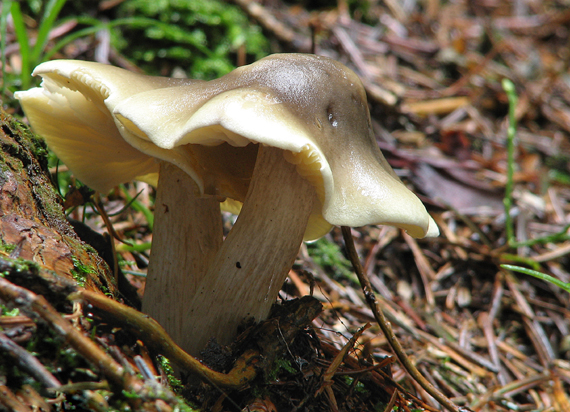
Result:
pixel 187 235
pixel 256 256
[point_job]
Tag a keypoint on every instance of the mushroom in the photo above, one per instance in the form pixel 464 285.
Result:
pixel 73 111
pixel 288 140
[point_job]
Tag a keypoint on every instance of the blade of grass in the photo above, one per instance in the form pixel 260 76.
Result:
pixel 127 205
pixel 509 89
pixel 559 177
pixel 6 9
pixel 509 257
pixel 539 275
pixel 559 236
pixel 70 38
pixel 562 235
pixel 139 207
pixel 23 41
pixel 51 12
pixel 134 247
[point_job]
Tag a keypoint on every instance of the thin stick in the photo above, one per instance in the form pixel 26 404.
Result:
pixel 28 362
pixel 387 327
pixel 37 306
pixel 266 19
pixel 11 401
pixel 156 337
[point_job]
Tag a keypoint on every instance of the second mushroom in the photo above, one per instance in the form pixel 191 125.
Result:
pixel 287 142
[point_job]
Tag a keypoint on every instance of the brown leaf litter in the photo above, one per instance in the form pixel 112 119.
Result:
pixel 487 338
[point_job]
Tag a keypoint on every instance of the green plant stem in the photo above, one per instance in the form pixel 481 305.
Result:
pixel 560 236
pixel 559 177
pixel 139 207
pixel 32 56
pixel 23 41
pixel 136 247
pixel 539 275
pixel 509 88
pixel 6 9
pixel 509 257
pixel 51 12
pixel 70 38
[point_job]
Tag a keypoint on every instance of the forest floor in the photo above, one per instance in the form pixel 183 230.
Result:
pixel 489 337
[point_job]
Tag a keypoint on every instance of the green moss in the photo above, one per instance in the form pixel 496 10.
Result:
pixel 4 247
pixel 130 395
pixel 79 278
pixel 329 256
pixel 173 381
pixel 28 140
pixel 81 272
pixel 30 151
pixel 200 36
pixel 358 388
pixel 39 149
pixel 279 367
pixel 4 311
pixel 19 265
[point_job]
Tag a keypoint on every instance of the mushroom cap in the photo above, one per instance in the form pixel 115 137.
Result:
pixel 73 109
pixel 312 107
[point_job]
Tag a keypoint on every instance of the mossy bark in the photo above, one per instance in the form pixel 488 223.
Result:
pixel 33 228
pixel 42 263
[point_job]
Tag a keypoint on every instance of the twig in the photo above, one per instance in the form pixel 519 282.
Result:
pixel 28 362
pixel 327 381
pixel 97 203
pixel 553 254
pixel 378 376
pixel 339 358
pixel 271 24
pixel 392 401
pixel 37 306
pixel 426 272
pixel 156 337
pixel 387 328
pixel 372 88
pixel 486 320
pixel 512 389
pixel 535 330
pixel 560 394
pixel 10 401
